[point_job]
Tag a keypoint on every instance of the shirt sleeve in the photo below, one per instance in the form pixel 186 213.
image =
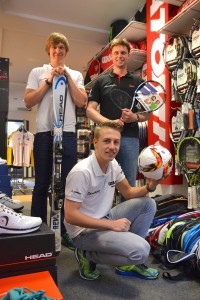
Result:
pixel 77 184
pixel 95 92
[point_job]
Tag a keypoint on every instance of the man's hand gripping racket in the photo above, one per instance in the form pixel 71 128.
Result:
pixel 149 96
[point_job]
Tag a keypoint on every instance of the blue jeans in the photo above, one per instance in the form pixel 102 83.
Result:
pixel 121 248
pixel 127 157
pixel 43 160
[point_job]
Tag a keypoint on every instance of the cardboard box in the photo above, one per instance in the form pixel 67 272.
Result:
pixel 35 281
pixel 30 251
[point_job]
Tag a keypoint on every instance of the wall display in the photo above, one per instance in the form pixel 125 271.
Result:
pixel 188 155
pixel 4 84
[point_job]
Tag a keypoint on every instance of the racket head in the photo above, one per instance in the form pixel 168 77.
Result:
pixel 176 125
pixel 149 96
pixel 188 155
pixel 120 98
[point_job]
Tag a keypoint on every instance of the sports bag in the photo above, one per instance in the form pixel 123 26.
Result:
pixel 170 204
pixel 116 27
pixel 178 246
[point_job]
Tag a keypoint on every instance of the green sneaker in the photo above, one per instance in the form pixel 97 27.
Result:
pixel 67 241
pixel 87 269
pixel 140 271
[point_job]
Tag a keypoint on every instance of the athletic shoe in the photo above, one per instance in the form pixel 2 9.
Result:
pixel 15 223
pixel 26 294
pixel 67 241
pixel 140 271
pixel 16 205
pixel 2 161
pixel 87 269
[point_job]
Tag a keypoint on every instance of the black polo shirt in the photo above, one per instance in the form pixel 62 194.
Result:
pixel 100 93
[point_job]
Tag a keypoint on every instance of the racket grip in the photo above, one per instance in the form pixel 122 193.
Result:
pixel 185 121
pixel 191 119
pixel 194 197
pixel 189 197
pixel 198 196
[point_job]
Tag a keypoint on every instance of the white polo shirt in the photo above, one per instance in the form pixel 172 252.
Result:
pixel 44 118
pixel 86 183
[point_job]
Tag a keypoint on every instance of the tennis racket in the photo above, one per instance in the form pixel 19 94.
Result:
pixel 194 39
pixel 148 96
pixel 176 133
pixel 174 49
pixel 188 156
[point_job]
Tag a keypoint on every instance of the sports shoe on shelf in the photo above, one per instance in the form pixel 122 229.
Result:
pixel 141 271
pixel 16 205
pixel 26 294
pixel 15 223
pixel 67 241
pixel 87 269
pixel 2 161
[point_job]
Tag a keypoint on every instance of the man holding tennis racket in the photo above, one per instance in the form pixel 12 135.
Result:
pixel 121 111
pixel 104 234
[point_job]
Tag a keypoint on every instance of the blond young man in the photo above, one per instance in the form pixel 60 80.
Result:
pixel 101 233
pixel 39 92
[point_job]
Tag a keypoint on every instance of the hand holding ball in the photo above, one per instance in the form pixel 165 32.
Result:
pixel 155 162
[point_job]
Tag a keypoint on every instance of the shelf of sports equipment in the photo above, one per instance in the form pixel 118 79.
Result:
pixel 133 32
pixel 183 21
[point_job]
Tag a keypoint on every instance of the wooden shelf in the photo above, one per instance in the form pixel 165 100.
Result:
pixel 183 21
pixel 134 31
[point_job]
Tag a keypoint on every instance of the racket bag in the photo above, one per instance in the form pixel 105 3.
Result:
pixel 116 27
pixel 170 204
pixel 180 248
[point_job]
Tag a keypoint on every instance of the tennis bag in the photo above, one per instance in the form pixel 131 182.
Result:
pixel 170 204
pixel 116 27
pixel 178 246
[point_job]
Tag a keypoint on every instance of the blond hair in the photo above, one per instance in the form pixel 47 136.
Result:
pixel 54 39
pixel 112 125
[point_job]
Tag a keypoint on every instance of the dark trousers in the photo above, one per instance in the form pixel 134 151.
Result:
pixel 43 160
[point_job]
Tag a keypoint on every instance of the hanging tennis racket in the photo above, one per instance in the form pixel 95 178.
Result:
pixel 148 96
pixel 176 133
pixel 194 39
pixel 186 78
pixel 175 49
pixel 188 156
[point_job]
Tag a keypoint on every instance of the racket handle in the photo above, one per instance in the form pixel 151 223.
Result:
pixel 191 119
pixel 177 170
pixel 189 197
pixel 194 197
pixel 198 196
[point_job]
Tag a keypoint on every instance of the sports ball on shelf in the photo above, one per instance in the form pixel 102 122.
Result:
pixel 155 161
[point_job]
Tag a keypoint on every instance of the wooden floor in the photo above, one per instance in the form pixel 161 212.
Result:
pixel 23 198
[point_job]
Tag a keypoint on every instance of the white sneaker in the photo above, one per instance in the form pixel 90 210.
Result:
pixel 14 223
pixel 16 205
pixel 2 161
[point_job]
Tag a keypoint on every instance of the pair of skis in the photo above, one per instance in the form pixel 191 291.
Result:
pixel 57 190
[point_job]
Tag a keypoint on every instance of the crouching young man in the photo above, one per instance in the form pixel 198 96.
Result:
pixel 103 234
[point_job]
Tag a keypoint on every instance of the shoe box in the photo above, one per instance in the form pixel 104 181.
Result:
pixel 27 253
pixel 34 282
pixel 5 186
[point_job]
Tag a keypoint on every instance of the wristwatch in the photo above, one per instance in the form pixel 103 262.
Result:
pixel 149 189
pixel 48 83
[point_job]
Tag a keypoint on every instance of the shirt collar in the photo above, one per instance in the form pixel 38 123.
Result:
pixel 112 74
pixel 96 168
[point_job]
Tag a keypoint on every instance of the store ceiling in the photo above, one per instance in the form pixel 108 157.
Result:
pixel 25 25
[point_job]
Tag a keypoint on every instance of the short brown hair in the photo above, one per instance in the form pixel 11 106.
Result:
pixel 112 125
pixel 54 39
pixel 120 42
